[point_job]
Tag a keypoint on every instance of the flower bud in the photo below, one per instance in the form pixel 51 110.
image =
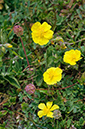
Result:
pixel 8 45
pixel 58 39
pixel 56 114
pixel 3 49
pixel 1 1
pixel 1 6
pixel 18 30
pixel 30 89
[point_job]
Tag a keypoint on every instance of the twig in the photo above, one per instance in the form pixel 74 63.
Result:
pixel 25 52
pixel 4 101
pixel 55 18
pixel 59 88
pixel 66 87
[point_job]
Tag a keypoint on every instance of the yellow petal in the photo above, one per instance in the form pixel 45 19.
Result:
pixel 41 106
pixel 43 41
pixel 78 53
pixel 45 26
pixel 35 38
pixel 48 34
pixel 57 78
pixel 54 107
pixel 40 113
pixel 50 114
pixel 72 63
pixel 49 104
pixel 35 26
pixel 50 82
pixel 58 70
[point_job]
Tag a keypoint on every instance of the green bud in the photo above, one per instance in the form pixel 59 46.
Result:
pixel 3 49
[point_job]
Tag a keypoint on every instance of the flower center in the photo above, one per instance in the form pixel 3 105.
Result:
pixel 46 110
pixel 41 33
pixel 73 59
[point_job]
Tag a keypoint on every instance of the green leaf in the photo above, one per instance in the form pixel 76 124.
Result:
pixel 12 80
pixel 3 114
pixel 79 13
pixel 39 78
pixel 68 123
pixel 81 120
pixel 20 96
pixel 43 91
pixel 16 54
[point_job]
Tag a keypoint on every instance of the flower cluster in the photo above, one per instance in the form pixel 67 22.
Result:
pixel 41 33
pixel 56 114
pixel 52 75
pixel 30 89
pixel 18 30
pixel 72 56
pixel 46 110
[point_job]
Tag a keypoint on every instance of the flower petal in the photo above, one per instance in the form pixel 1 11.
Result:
pixel 35 38
pixel 50 114
pixel 54 107
pixel 45 26
pixel 41 106
pixel 35 26
pixel 78 53
pixel 40 113
pixel 57 78
pixel 58 70
pixel 48 34
pixel 72 62
pixel 43 41
pixel 49 104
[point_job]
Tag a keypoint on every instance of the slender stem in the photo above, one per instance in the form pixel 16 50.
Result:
pixel 27 28
pixel 59 88
pixel 66 87
pixel 57 124
pixel 55 19
pixel 26 56
pixel 25 52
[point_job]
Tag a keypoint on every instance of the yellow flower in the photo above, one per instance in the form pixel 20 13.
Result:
pixel 41 33
pixel 46 109
pixel 52 75
pixel 72 56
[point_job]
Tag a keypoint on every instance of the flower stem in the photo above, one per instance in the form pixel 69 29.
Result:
pixel 57 124
pixel 25 52
pixel 59 88
pixel 54 26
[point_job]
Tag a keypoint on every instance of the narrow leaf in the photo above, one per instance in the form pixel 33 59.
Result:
pixel 12 80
